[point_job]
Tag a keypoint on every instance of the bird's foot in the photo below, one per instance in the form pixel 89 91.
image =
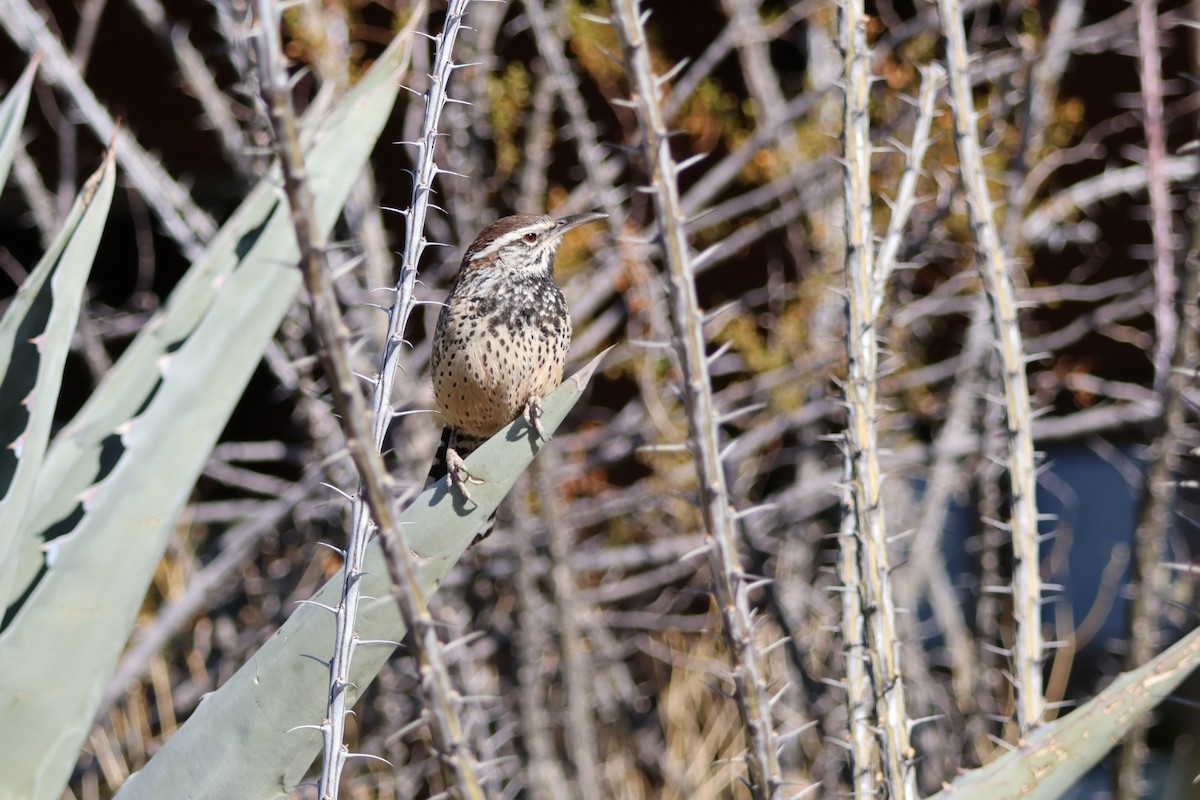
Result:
pixel 456 471
pixel 533 416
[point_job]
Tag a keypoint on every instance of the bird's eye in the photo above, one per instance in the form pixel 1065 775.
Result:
pixel 530 238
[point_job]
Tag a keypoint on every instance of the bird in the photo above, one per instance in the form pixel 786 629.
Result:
pixel 501 339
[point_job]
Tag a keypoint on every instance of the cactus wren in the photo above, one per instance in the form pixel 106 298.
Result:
pixel 502 337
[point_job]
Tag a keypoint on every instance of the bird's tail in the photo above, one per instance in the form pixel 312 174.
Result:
pixel 464 444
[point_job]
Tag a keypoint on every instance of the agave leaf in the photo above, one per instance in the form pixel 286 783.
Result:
pixel 123 469
pixel 35 337
pixel 12 118
pixel 1054 757
pixel 87 448
pixel 244 740
pixel 85 451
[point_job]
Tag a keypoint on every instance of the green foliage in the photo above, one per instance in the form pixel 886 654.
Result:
pixel 508 97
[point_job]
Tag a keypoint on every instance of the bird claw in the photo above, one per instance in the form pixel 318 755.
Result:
pixel 456 471
pixel 533 416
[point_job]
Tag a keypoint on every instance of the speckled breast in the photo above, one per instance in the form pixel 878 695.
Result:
pixel 495 350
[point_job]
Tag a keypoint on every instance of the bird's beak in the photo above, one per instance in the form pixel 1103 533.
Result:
pixel 575 220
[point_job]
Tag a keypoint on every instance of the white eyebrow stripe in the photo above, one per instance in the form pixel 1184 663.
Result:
pixel 507 239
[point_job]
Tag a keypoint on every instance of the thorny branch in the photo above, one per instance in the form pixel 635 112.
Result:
pixel 751 100
pixel 1001 293
pixel 377 488
pixel 730 580
pixel 865 532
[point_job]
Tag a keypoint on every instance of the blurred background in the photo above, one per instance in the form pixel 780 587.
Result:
pixel 597 650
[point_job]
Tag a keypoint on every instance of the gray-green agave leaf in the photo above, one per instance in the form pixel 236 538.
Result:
pixel 12 118
pixel 119 473
pixel 245 740
pixel 35 337
pixel 1058 754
